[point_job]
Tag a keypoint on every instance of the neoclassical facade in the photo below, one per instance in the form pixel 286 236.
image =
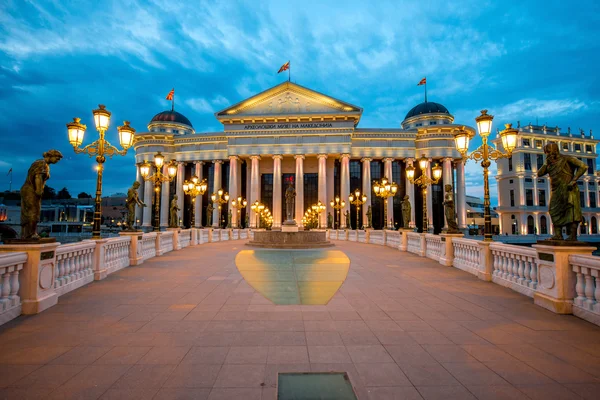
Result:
pixel 292 134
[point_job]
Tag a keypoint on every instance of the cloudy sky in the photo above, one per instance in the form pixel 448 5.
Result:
pixel 522 60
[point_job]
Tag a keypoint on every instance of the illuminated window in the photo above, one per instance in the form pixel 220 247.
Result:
pixel 577 146
pixel 526 143
pixel 588 148
pixel 510 167
pixel 538 144
pixel 512 198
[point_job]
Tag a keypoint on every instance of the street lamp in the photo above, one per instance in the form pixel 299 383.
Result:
pixel 318 208
pixel 358 201
pixel 194 188
pixel 158 178
pixel 337 205
pixel 220 198
pixel 100 148
pixel 385 189
pixel 484 154
pixel 238 205
pixel 257 207
pixel 423 181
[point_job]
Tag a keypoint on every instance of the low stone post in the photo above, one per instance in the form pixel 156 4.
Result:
pixel 423 251
pixel 194 237
pixel 447 253
pixel 404 239
pixel 176 245
pixel 158 243
pixel 486 261
pixel 135 247
pixel 100 270
pixel 556 279
pixel 36 279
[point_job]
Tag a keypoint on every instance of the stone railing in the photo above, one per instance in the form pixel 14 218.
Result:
pixel 74 266
pixel 11 265
pixel 165 243
pixel 392 239
pixel 116 253
pixel 243 233
pixel 587 303
pixel 215 235
pixel 225 234
pixel 363 236
pixel 416 244
pixel 333 234
pixel 515 267
pixel 185 238
pixel 433 246
pixel 467 255
pixel 149 245
pixel 376 237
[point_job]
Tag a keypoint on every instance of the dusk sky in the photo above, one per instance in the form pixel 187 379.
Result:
pixel 522 60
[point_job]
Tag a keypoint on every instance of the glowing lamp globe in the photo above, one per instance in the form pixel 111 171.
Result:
pixel 172 170
pixel 145 170
pixel 351 198
pixel 76 131
pixel 410 173
pixel 126 135
pixel 484 123
pixel 437 172
pixel 509 138
pixel 159 160
pixel 194 179
pixel 423 162
pixel 461 140
pixel 101 117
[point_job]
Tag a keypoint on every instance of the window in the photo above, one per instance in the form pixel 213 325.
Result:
pixel 582 199
pixel 526 143
pixel 541 197
pixel 541 181
pixel 419 124
pixel 527 161
pixel 543 225
pixel 590 163
pixel 512 198
pixel 565 146
pixel 510 181
pixel 529 197
pixel 175 131
pixel 530 226
pixel 266 190
pixel 162 130
pixel 593 199
pixel 433 123
pixel 594 223
pixel 510 163
pixel 591 184
pixel 538 144
pixel 528 180
pixel 588 148
pixel 577 146
pixel 540 161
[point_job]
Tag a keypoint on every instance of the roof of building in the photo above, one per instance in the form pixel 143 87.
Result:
pixel 428 107
pixel 171 116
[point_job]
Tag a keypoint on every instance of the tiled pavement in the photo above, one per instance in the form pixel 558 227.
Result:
pixel 186 326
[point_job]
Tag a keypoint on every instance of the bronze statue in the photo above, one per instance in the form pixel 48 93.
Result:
pixel 347 215
pixel 406 212
pixel 564 207
pixel 132 201
pixel 449 210
pixel 329 220
pixel 369 217
pixel 32 191
pixel 290 199
pixel 174 220
pixel 229 219
pixel 209 213
pixel 246 221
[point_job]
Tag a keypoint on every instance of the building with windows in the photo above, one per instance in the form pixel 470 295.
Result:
pixel 475 215
pixel 523 197
pixel 290 133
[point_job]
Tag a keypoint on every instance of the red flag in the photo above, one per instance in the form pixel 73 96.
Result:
pixel 422 82
pixel 284 67
pixel 171 94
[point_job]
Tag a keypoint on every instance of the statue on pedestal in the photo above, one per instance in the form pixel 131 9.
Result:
pixel 132 201
pixel 32 191
pixel 174 219
pixel 209 213
pixel 347 215
pixel 246 221
pixel 369 217
pixel 406 212
pixel 564 207
pixel 329 221
pixel 449 210
pixel 229 219
pixel 290 200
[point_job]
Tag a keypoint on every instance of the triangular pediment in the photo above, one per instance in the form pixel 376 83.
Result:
pixel 288 99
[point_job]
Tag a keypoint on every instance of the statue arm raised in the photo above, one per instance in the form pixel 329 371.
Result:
pixel 543 170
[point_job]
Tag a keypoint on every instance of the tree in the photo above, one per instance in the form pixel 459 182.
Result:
pixel 49 193
pixel 84 195
pixel 63 194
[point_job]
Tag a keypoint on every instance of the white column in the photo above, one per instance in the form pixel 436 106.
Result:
pixel 254 186
pixel 277 189
pixel 429 199
pixel 179 190
pixel 299 189
pixel 148 200
pixel 410 191
pixel 140 192
pixel 500 224
pixel 216 223
pixel 164 198
pixel 586 189
pixel 535 192
pixel 461 194
pixel 198 206
pixel 390 201
pixel 345 187
pixel 366 186
pixel 233 187
pixel 521 179
pixel 447 178
pixel 331 188
pixel 322 187
pixel 248 191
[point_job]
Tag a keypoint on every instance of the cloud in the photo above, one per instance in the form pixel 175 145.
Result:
pixel 200 105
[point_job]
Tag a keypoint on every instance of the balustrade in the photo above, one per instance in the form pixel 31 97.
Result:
pixel 185 238
pixel 376 237
pixel 515 267
pixel 116 253
pixel 587 303
pixel 74 266
pixel 467 255
pixel 392 239
pixel 433 247
pixel 149 245
pixel 414 243
pixel 10 301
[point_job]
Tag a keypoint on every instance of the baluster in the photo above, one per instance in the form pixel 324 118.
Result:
pixel 580 288
pixel 589 290
pixel 534 279
pixel 5 285
pixel 519 278
pixel 60 270
pixel 527 272
pixel 504 265
pixel 14 286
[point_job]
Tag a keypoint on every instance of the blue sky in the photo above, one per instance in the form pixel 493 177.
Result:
pixel 522 60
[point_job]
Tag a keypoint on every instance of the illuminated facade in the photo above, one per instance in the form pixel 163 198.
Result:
pixel 523 198
pixel 292 133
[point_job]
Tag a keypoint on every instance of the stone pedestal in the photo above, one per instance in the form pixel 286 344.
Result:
pixel 556 279
pixel 289 228
pixel 135 249
pixel 404 239
pixel 288 240
pixel 36 280
pixel 447 254
pixel 176 245
pixel 485 260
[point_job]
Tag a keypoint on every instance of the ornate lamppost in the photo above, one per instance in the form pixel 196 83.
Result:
pixel 100 148
pixel 385 189
pixel 238 205
pixel 318 208
pixel 423 181
pixel 337 205
pixel 358 201
pixel 257 207
pixel 220 198
pixel 194 188
pixel 484 154
pixel 158 178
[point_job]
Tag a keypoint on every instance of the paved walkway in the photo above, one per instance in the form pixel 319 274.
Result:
pixel 186 326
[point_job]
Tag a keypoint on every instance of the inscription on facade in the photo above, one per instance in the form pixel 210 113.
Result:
pixel 309 125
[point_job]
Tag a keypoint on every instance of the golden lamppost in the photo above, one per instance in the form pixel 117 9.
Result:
pixel 194 188
pixel 239 204
pixel 158 178
pixel 423 181
pixel 100 148
pixel 257 207
pixel 318 208
pixel 385 189
pixel 484 154
pixel 358 201
pixel 220 198
pixel 337 205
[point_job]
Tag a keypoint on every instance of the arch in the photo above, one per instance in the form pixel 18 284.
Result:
pixel 543 225
pixel 594 223
pixel 530 225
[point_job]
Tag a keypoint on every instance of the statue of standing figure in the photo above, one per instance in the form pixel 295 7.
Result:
pixel 564 207
pixel 246 221
pixel 406 212
pixel 369 217
pixel 32 191
pixel 209 213
pixel 329 221
pixel 173 212
pixel 132 201
pixel 229 219
pixel 449 210
pixel 347 215
pixel 290 200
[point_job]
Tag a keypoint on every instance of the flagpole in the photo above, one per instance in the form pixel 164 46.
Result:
pixel 10 184
pixel 173 102
pixel 289 72
pixel 425 89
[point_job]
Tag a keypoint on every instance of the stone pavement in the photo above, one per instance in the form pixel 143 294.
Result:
pixel 187 326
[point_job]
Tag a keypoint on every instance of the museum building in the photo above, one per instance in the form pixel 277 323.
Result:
pixel 292 134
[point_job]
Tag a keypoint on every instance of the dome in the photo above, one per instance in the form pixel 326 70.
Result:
pixel 171 116
pixel 427 108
